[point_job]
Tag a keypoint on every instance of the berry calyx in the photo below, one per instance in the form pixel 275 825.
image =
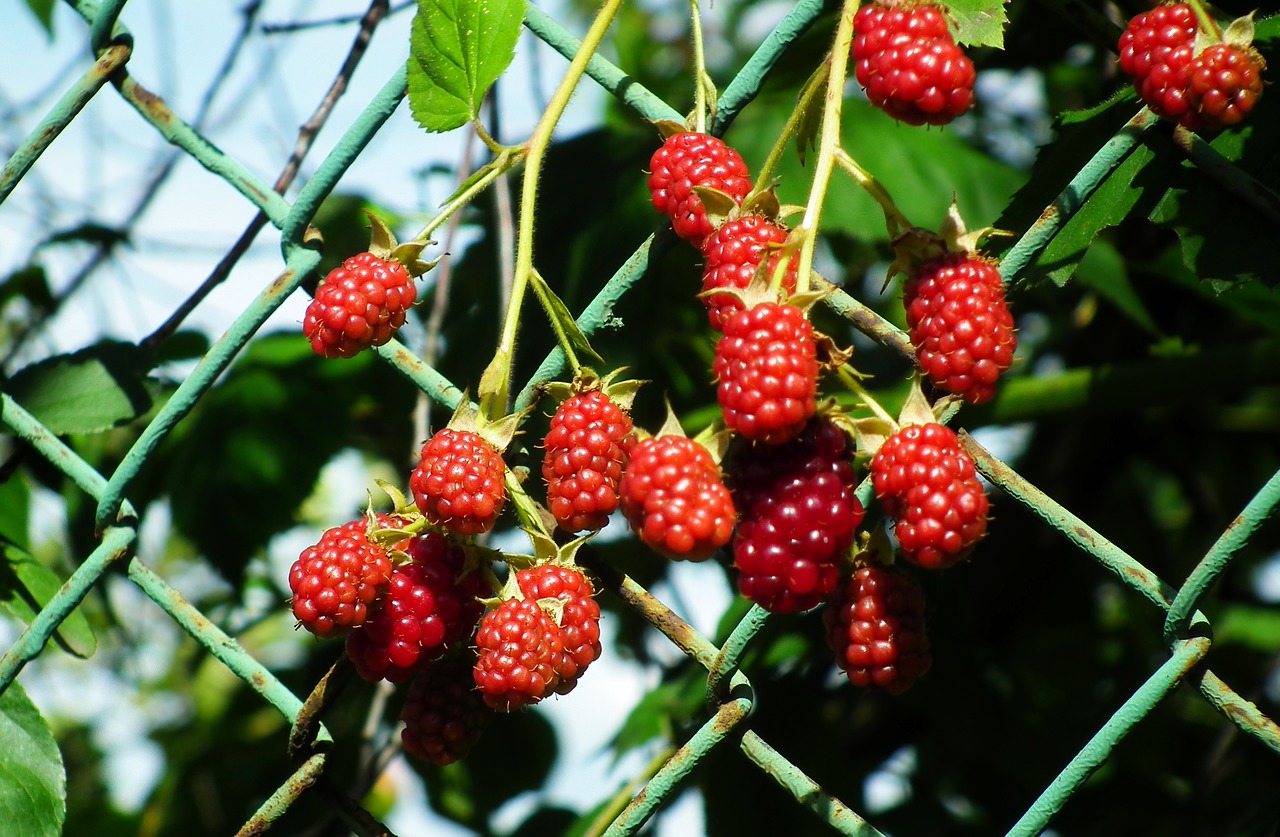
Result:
pixel 733 253
pixel 361 303
pixel 519 648
pixel 432 603
pixel 875 627
pixel 688 159
pixel 341 579
pixel 766 368
pixel 960 325
pixel 586 452
pixel 458 483
pixel 577 614
pixel 908 63
pixel 675 500
pixel 928 485
pixel 798 516
pixel 443 713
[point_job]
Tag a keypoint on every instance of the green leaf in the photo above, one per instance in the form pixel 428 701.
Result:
pixel 979 22
pixel 15 506
pixel 458 50
pixel 87 391
pixel 1253 627
pixel 561 319
pixel 31 284
pixel 43 10
pixel 1103 270
pixel 33 782
pixel 26 586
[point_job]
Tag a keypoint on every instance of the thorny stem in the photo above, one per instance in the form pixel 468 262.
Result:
pixel 463 198
pixel 699 70
pixel 855 386
pixel 536 151
pixel 828 143
pixel 791 128
pixel 894 220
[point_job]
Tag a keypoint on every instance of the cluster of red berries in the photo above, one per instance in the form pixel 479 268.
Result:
pixel 421 617
pixel 1202 86
pixel 908 63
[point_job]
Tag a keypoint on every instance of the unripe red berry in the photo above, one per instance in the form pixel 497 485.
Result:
pixel 361 303
pixel 586 452
pixel 875 627
pixel 458 483
pixel 690 159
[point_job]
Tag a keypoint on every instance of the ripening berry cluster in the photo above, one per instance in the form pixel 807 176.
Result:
pixel 415 613
pixel 1203 83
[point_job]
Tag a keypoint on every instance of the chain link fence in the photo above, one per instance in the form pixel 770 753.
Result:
pixel 730 698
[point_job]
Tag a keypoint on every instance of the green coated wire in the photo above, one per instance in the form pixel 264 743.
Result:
pixel 1259 508
pixel 746 85
pixel 629 91
pixel 806 791
pixel 1186 653
pixel 60 116
pixel 1069 201
pixel 664 782
pixel 117 544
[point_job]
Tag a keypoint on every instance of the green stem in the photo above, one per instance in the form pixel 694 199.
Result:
pixel 807 95
pixel 828 143
pixel 894 220
pixel 1207 23
pixel 482 132
pixel 498 168
pixel 536 152
pixel 855 386
pixel 699 70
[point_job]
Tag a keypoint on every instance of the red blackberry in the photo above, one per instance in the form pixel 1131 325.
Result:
pixel 691 159
pixel 586 451
pixel 361 303
pixel 458 483
pixel 1224 82
pixel 579 617
pixel 430 605
pixel 443 713
pixel 910 66
pixel 767 371
pixel 798 514
pixel 520 649
pixel 674 498
pixel 340 579
pixel 928 485
pixel 960 324
pixel 733 253
pixel 875 626
pixel 1156 48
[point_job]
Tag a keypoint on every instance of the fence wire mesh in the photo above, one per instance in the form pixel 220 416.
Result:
pixel 729 693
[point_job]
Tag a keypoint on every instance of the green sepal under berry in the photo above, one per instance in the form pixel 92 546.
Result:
pixel 383 244
pixel 917 246
pixel 620 392
pixel 497 432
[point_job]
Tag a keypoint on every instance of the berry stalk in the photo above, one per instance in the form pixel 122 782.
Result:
pixel 699 70
pixel 789 130
pixel 536 150
pixel 829 140
pixel 894 220
pixel 850 379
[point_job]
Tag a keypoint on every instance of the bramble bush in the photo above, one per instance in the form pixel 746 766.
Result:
pixel 776 330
